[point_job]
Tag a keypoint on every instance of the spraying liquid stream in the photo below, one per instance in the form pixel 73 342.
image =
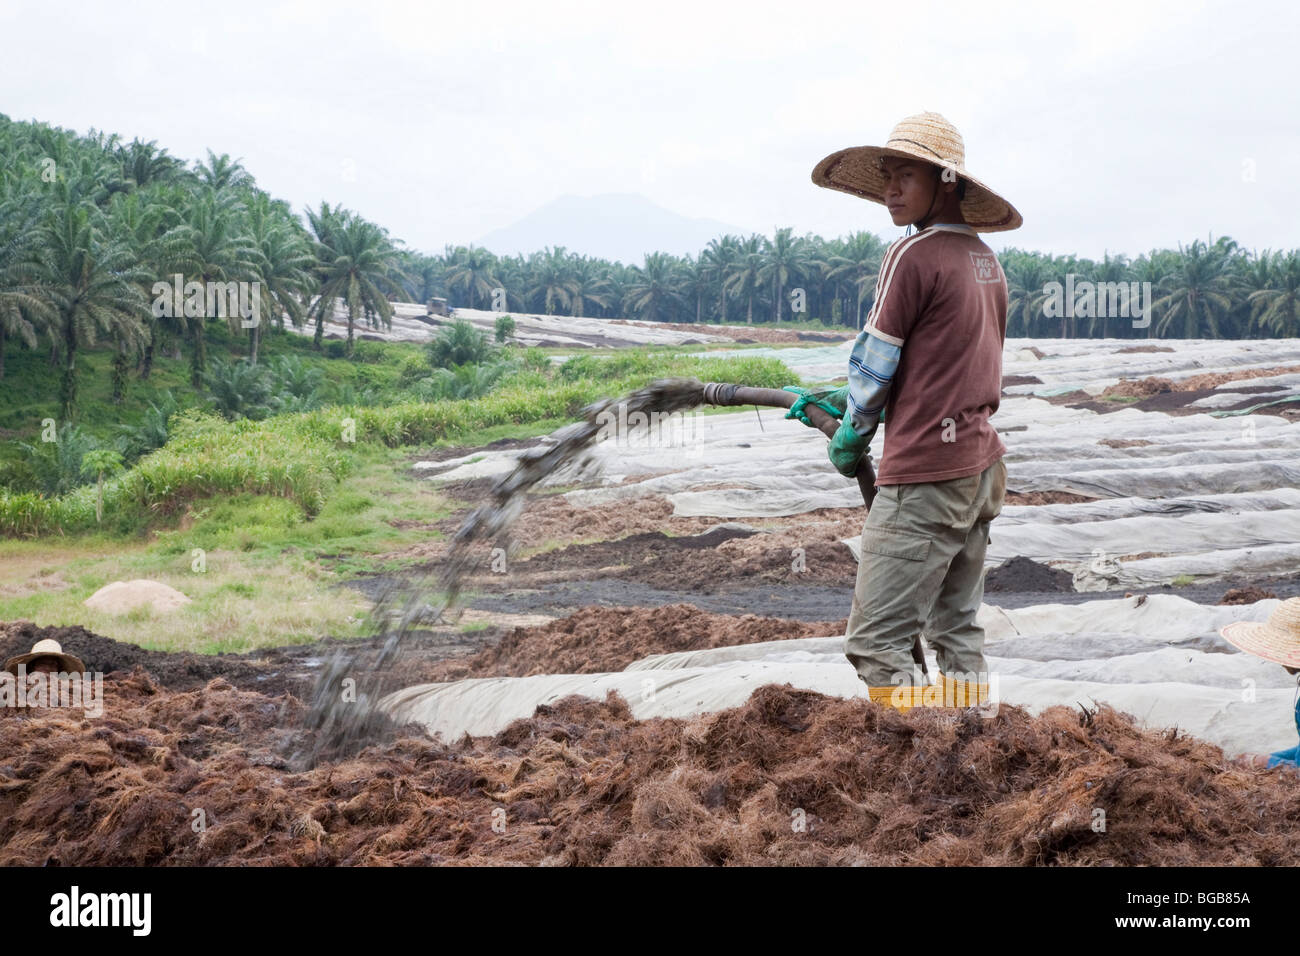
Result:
pixel 343 716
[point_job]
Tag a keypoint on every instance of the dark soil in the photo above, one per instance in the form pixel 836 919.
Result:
pixel 1023 574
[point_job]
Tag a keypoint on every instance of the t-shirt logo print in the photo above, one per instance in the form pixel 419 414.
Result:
pixel 985 265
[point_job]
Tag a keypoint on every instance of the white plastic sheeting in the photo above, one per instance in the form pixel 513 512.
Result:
pixel 1092 364
pixel 411 323
pixel 1177 672
pixel 1215 496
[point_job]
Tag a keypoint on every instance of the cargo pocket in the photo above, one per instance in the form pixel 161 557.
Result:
pixel 896 544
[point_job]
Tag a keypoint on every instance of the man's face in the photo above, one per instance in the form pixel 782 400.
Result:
pixel 44 665
pixel 910 189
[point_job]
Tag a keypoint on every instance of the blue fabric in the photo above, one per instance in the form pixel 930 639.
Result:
pixel 1290 757
pixel 872 365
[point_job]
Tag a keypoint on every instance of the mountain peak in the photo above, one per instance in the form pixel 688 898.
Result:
pixel 616 226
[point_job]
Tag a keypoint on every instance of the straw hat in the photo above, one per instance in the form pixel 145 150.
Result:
pixel 47 648
pixel 925 136
pixel 1276 640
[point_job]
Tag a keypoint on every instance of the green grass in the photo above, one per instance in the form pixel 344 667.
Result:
pixel 259 522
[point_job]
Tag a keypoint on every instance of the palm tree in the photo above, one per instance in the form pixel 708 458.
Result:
pixel 859 263
pixel 746 273
pixel 784 257
pixel 24 312
pixel 1027 273
pixel 283 262
pixel 1277 307
pixel 144 163
pixel 358 266
pixel 653 288
pixel 694 280
pixel 719 258
pixel 159 242
pixel 551 282
pixel 1197 291
pixel 1110 269
pixel 588 286
pixel 219 251
pixel 93 285
pixel 472 271
pixel 221 172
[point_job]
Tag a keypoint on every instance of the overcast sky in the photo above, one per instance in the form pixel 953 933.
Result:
pixel 1128 125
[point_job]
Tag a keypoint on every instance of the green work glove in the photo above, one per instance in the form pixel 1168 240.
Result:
pixel 847 448
pixel 832 403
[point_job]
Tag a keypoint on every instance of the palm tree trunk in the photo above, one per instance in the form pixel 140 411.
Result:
pixel 699 307
pixel 253 339
pixel 2 353
pixel 749 318
pixel 198 355
pixel 68 386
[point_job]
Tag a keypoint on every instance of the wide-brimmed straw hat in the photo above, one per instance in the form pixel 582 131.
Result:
pixel 925 136
pixel 47 648
pixel 1276 640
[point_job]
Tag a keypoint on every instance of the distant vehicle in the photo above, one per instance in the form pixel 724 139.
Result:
pixel 438 307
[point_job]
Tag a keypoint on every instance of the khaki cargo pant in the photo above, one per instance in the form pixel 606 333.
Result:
pixel 923 564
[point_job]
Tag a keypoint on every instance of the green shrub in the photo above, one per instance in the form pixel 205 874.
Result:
pixel 459 344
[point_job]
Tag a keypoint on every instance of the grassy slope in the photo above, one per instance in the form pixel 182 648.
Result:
pixel 270 571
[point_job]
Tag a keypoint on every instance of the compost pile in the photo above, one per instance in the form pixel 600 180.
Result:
pixel 791 777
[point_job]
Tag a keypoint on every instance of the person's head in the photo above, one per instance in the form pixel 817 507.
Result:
pixel 45 657
pixel 917 193
pixel 48 664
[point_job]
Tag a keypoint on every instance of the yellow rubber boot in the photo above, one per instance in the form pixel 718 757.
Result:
pixel 902 698
pixel 961 693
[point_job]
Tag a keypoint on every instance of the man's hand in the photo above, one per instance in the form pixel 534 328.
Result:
pixel 847 448
pixel 832 403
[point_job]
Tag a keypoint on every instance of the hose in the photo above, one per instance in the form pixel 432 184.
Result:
pixel 724 394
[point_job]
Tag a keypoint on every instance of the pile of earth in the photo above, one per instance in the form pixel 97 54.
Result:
pixel 791 777
pixel 1025 574
pixel 693 563
pixel 598 640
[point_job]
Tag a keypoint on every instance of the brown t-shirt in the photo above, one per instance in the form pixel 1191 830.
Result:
pixel 942 298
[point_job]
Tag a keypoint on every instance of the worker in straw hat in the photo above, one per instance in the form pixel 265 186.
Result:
pixel 930 357
pixel 1276 640
pixel 45 657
